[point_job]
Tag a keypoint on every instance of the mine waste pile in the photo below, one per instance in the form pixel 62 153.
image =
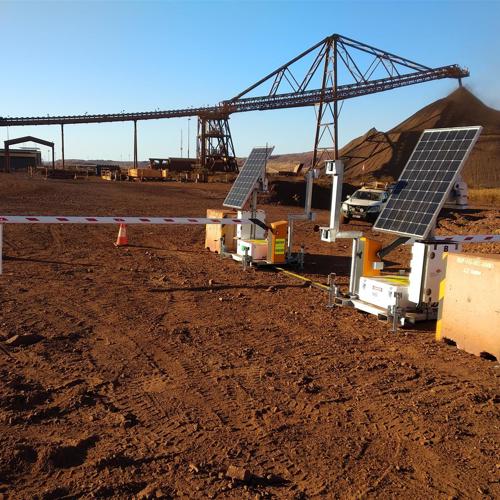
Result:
pixel 384 154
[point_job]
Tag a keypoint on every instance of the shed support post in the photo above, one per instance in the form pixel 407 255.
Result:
pixel 62 144
pixel 6 166
pixel 135 143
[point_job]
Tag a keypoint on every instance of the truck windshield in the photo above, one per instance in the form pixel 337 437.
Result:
pixel 367 195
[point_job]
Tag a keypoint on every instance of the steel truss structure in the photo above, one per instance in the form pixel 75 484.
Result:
pixel 215 149
pixel 333 70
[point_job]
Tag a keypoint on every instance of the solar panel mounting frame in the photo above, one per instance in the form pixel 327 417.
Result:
pixel 406 177
pixel 252 170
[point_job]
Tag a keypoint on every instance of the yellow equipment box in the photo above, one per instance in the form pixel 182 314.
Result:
pixel 277 237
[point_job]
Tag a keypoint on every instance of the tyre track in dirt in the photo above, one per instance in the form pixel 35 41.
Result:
pixel 240 412
pixel 178 361
pixel 275 459
pixel 139 359
pixel 227 402
pixel 240 384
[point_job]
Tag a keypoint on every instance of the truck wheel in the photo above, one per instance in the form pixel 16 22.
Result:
pixel 344 219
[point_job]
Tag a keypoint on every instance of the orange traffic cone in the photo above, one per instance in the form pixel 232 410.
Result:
pixel 122 239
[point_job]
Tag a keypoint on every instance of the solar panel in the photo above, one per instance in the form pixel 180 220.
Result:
pixel 249 175
pixel 426 181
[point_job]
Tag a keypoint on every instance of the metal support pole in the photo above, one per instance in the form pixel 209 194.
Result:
pixel 301 257
pixel 53 164
pixel 246 259
pixel 222 250
pixel 336 203
pixel 332 290
pixel 354 275
pixel 395 313
pixel 253 213
pixel 135 143
pixel 309 193
pixel 289 244
pixel 62 144
pixel 401 240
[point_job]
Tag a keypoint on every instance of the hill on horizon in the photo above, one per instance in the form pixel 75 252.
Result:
pixel 384 154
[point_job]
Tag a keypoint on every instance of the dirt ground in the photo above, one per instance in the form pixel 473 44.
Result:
pixel 160 365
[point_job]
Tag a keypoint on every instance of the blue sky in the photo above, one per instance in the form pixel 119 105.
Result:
pixel 72 57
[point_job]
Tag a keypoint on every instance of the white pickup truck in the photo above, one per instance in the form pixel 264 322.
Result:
pixel 365 203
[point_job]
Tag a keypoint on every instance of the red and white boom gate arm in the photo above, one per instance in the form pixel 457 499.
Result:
pixel 52 219
pixel 462 238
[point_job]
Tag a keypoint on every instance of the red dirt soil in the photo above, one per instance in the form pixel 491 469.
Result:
pixel 161 365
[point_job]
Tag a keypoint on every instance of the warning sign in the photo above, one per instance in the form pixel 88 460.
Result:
pixel 279 246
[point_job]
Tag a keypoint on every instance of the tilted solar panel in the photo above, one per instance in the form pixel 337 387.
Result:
pixel 250 173
pixel 426 181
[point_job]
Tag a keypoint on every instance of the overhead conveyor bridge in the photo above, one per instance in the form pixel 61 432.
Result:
pixel 289 86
